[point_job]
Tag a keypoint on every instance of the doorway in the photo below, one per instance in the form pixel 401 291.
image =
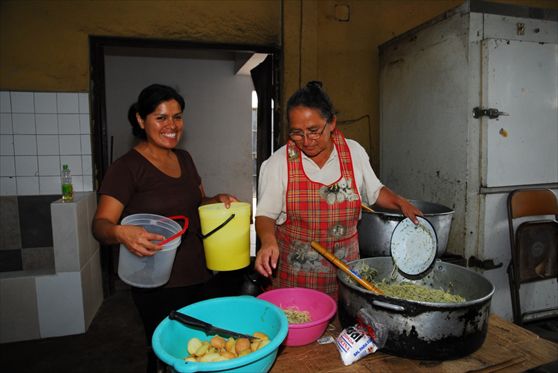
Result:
pixel 217 83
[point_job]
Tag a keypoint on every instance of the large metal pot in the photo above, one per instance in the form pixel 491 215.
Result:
pixel 375 228
pixel 423 330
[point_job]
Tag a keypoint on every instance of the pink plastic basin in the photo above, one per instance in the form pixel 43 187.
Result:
pixel 320 306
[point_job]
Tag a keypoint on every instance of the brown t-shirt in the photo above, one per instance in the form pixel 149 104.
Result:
pixel 143 188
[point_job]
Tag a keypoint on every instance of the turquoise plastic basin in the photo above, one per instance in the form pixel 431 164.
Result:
pixel 243 314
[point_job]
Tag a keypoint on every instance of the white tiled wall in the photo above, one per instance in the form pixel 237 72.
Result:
pixel 40 132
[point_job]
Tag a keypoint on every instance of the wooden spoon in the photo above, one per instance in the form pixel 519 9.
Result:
pixel 366 208
pixel 345 268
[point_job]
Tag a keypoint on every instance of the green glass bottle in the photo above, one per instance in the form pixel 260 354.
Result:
pixel 67 188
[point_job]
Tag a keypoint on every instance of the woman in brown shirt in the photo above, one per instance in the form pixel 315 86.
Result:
pixel 156 178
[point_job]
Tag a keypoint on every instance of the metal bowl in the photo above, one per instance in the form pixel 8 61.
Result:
pixel 375 228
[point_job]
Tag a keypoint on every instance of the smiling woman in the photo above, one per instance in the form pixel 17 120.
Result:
pixel 156 178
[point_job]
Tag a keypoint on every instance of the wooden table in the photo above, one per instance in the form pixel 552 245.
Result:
pixel 507 347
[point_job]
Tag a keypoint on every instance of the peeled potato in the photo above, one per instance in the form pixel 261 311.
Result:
pixel 255 344
pixel 218 342
pixel 263 343
pixel 202 350
pixel 261 336
pixel 212 356
pixel 190 359
pixel 230 345
pixel 227 355
pixel 193 345
pixel 242 344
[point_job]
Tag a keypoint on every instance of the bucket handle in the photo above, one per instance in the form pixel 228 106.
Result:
pixel 204 236
pixel 180 233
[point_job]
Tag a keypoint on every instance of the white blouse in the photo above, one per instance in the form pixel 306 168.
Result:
pixel 272 188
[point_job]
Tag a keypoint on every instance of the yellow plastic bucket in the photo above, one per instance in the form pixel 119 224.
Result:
pixel 226 235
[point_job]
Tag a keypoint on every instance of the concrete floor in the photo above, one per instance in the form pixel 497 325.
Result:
pixel 115 343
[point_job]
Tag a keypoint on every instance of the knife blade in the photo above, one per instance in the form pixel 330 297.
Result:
pixel 206 327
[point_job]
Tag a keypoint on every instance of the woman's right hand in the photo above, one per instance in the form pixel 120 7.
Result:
pixel 137 240
pixel 266 259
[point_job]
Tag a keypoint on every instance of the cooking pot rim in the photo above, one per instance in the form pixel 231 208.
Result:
pixel 344 278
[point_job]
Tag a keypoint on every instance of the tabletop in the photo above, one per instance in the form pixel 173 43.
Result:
pixel 507 347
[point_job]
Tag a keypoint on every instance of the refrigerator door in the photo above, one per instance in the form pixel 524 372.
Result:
pixel 520 78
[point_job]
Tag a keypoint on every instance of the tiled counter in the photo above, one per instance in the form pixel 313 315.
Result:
pixel 41 304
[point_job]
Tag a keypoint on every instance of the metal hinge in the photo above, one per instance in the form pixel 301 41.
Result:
pixel 491 113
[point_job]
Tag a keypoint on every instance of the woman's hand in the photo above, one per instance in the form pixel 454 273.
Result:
pixel 409 210
pixel 266 260
pixel 137 240
pixel 227 199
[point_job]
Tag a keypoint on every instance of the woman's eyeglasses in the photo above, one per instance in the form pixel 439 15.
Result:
pixel 312 134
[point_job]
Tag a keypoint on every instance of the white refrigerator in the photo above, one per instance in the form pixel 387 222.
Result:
pixel 468 113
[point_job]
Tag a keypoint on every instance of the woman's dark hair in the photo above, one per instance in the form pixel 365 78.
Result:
pixel 148 100
pixel 312 96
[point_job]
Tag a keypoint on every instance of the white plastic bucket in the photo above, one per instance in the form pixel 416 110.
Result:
pixel 151 271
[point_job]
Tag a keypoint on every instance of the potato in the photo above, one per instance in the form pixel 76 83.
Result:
pixel 227 355
pixel 202 350
pixel 242 344
pixel 261 336
pixel 209 357
pixel 193 345
pixel 190 359
pixel 244 352
pixel 255 344
pixel 263 343
pixel 218 342
pixel 230 345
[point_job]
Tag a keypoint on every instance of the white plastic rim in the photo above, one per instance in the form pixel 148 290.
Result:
pixel 413 247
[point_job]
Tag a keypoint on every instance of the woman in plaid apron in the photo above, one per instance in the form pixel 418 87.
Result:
pixel 311 189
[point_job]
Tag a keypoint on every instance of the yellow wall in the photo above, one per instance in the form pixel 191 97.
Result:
pixel 44 44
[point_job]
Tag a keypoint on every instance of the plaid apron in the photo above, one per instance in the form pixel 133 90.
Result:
pixel 327 214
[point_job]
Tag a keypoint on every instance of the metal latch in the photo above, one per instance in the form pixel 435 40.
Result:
pixel 491 113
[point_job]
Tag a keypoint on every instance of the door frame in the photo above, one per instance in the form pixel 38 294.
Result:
pixel 100 150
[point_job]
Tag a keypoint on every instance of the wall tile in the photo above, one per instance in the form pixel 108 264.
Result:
pixel 23 124
pixel 49 165
pixel 59 300
pixel 7 145
pixel 77 183
pixel 22 102
pixel 25 144
pixel 37 258
pixel 10 260
pixel 8 186
pixel 7 166
pixel 67 103
pixel 73 162
pixel 27 186
pixel 86 165
pixel 70 145
pixel 6 124
pixel 65 236
pixel 48 145
pixel 50 185
pixel 91 283
pixel 10 234
pixel 5 105
pixel 35 221
pixel 83 103
pixel 26 165
pixel 86 144
pixel 84 124
pixel 88 183
pixel 45 102
pixel 23 324
pixel 47 124
pixel 68 124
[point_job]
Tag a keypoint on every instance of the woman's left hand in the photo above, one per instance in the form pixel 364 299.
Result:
pixel 227 199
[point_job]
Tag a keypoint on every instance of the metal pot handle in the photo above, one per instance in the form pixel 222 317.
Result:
pixel 389 306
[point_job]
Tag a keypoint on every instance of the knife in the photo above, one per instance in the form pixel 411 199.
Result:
pixel 206 327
